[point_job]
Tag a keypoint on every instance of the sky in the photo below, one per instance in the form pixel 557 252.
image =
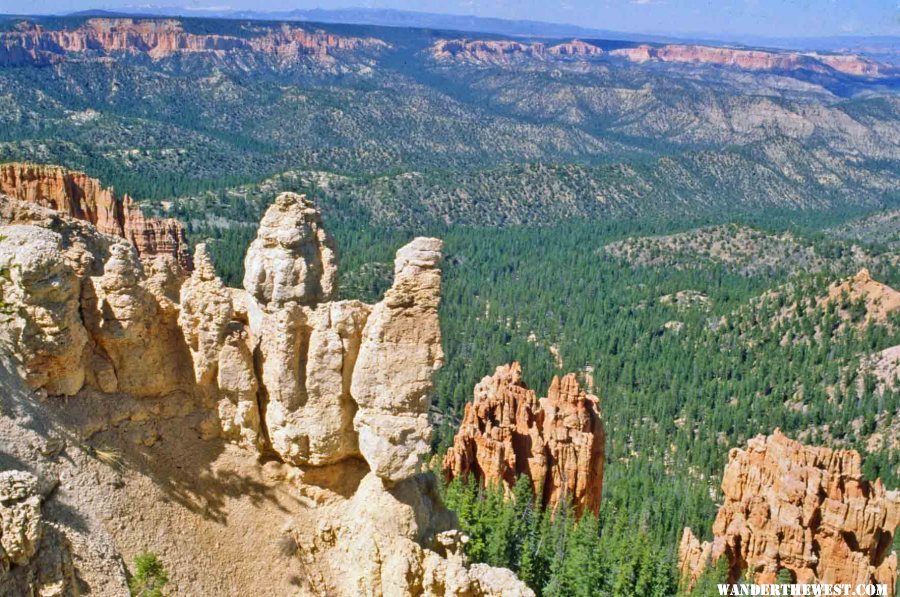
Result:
pixel 768 18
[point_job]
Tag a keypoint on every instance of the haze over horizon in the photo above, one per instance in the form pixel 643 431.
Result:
pixel 764 18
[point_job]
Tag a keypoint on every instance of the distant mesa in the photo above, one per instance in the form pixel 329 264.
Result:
pixel 160 38
pixel 500 51
pixel 504 51
pixel 758 60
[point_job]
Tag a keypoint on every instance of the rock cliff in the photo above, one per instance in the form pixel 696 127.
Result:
pixel 759 60
pixel 505 51
pixel 558 441
pixel 335 392
pixel 161 38
pixel 78 195
pixel 801 508
pixel 34 558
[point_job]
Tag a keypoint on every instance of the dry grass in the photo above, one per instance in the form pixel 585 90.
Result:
pixel 109 457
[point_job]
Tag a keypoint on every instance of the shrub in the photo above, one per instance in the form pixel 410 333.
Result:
pixel 149 577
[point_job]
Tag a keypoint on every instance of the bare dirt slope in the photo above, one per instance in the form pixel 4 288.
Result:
pixel 217 519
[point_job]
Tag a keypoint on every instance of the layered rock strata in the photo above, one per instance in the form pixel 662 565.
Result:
pixel 78 195
pixel 505 51
pixel 280 368
pixel 558 441
pixel 160 38
pixel 757 60
pixel 801 508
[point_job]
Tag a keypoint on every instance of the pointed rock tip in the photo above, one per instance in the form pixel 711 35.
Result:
pixel 203 265
pixel 421 253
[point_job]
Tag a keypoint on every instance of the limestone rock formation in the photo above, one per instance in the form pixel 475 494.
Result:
pixel 31 557
pixel 20 518
pixel 131 328
pixel 400 350
pixel 506 51
pixel 161 38
pixel 880 300
pixel 276 367
pixel 400 540
pixel 78 195
pixel 576 47
pixel 801 508
pixel 292 258
pixel 42 286
pixel 758 60
pixel 221 351
pixel 558 441
pixel 490 51
pixel 320 381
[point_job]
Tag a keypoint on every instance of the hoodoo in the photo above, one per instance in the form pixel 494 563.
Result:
pixel 278 368
pixel 557 441
pixel 799 508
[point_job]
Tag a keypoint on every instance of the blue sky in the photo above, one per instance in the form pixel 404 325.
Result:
pixel 774 18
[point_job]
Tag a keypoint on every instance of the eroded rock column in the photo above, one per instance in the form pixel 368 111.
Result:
pixel 401 349
pixel 801 508
pixel 559 441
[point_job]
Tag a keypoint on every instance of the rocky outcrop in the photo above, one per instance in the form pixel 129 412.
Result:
pixel 642 53
pixel 292 259
pixel 222 351
pixel 161 38
pixel 325 381
pixel 505 51
pixel 401 541
pixel 278 368
pixel 400 350
pixel 496 51
pixel 558 441
pixel 576 47
pixel 20 518
pixel 756 60
pixel 801 508
pixel 33 559
pixel 78 195
pixel 879 300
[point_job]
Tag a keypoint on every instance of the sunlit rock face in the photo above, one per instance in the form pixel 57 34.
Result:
pixel 801 508
pixel 558 441
pixel 159 39
pixel 278 368
pixel 286 367
pixel 84 198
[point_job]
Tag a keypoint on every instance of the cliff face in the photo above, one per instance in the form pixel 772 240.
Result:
pixel 78 195
pixel 157 39
pixel 501 51
pixel 801 508
pixel 277 368
pixel 558 441
pixel 759 60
